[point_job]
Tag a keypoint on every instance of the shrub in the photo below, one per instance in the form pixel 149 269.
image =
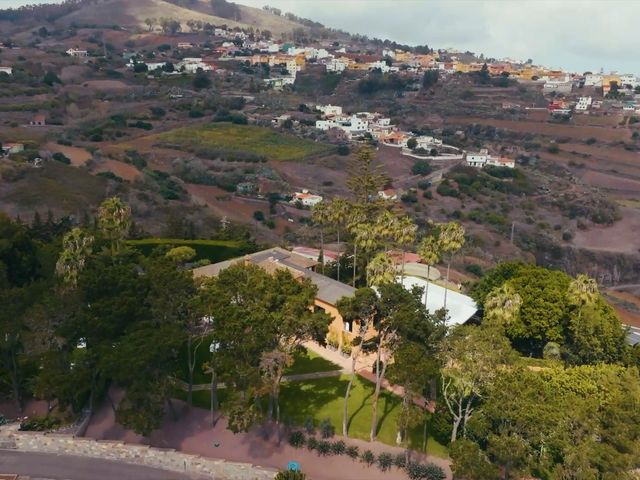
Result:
pixel 385 461
pixel 61 157
pixel 424 184
pixel 196 114
pixel 590 141
pixel 352 451
pixel 326 428
pixel 258 215
pixel 421 167
pixel 415 471
pixel 110 176
pixel 368 457
pixel 553 148
pixel 339 447
pixel 297 439
pixel 343 150
pixel 308 425
pixel 474 269
pixel 433 472
pixel 400 460
pixel 324 448
pixel 289 475
pixel 427 194
pixel 446 190
pixel 312 443
pixel 567 236
pixel 409 197
pixel 40 424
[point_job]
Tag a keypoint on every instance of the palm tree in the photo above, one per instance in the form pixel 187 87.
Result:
pixel 366 239
pixel 114 218
pixel 404 234
pixel 429 251
pixel 76 247
pixel 502 306
pixel 381 270
pixel 583 290
pixel 451 239
pixel 320 216
pixel 338 215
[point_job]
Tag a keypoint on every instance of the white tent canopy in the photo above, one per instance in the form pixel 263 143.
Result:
pixel 460 307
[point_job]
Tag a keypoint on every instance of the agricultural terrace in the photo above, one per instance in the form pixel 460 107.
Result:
pixel 212 250
pixel 231 138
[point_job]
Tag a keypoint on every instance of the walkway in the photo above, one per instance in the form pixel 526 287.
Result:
pixel 287 378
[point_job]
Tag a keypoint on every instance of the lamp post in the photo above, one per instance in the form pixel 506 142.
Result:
pixel 214 383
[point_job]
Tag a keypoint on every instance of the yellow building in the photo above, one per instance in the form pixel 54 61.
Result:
pixel 329 290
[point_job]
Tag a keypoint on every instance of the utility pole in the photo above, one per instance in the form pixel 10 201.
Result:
pixel 513 231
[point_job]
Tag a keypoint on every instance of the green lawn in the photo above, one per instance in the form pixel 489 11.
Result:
pixel 323 398
pixel 213 250
pixel 243 138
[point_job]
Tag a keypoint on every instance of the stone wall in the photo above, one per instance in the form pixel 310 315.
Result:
pixel 166 459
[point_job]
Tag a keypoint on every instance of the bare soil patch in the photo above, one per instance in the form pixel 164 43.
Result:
pixel 622 237
pixel 78 156
pixel 106 85
pixel 123 170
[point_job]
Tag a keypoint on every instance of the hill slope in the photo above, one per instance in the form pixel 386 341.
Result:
pixel 134 13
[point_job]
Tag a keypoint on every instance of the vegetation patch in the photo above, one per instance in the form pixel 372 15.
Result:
pixel 232 138
pixel 212 250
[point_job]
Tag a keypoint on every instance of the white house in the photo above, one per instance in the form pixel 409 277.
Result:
pixel 482 159
pixel 629 79
pixel 557 86
pixel 293 67
pixel 336 65
pixel 7 70
pixel 583 103
pixel 501 162
pixel 330 110
pixel 382 65
pixel 477 160
pixel 219 32
pixel 191 65
pixel 305 198
pixel 74 52
pixel 593 80
pixel 279 82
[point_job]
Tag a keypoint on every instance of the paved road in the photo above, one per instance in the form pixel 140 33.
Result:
pixel 59 467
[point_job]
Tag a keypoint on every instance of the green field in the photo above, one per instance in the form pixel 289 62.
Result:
pixel 323 398
pixel 213 250
pixel 243 138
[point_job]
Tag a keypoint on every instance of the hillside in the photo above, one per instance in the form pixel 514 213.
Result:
pixel 134 13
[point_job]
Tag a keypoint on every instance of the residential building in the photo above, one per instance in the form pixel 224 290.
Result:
pixel 301 267
pixel 192 65
pixel 629 79
pixel 558 86
pixel 293 67
pixel 305 198
pixel 593 80
pixel 38 121
pixel 477 160
pixel 583 103
pixel 7 70
pixel 337 65
pixel 9 148
pixel 330 110
pixel 501 162
pixel 74 52
pixel 184 45
pixel 280 82
pixel 388 194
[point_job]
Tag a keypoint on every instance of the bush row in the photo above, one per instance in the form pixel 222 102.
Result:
pixel 384 461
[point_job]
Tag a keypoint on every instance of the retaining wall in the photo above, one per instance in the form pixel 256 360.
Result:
pixel 166 459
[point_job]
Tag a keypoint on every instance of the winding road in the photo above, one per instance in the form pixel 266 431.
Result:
pixel 59 467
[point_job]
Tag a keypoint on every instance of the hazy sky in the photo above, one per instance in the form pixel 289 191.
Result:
pixel 573 34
